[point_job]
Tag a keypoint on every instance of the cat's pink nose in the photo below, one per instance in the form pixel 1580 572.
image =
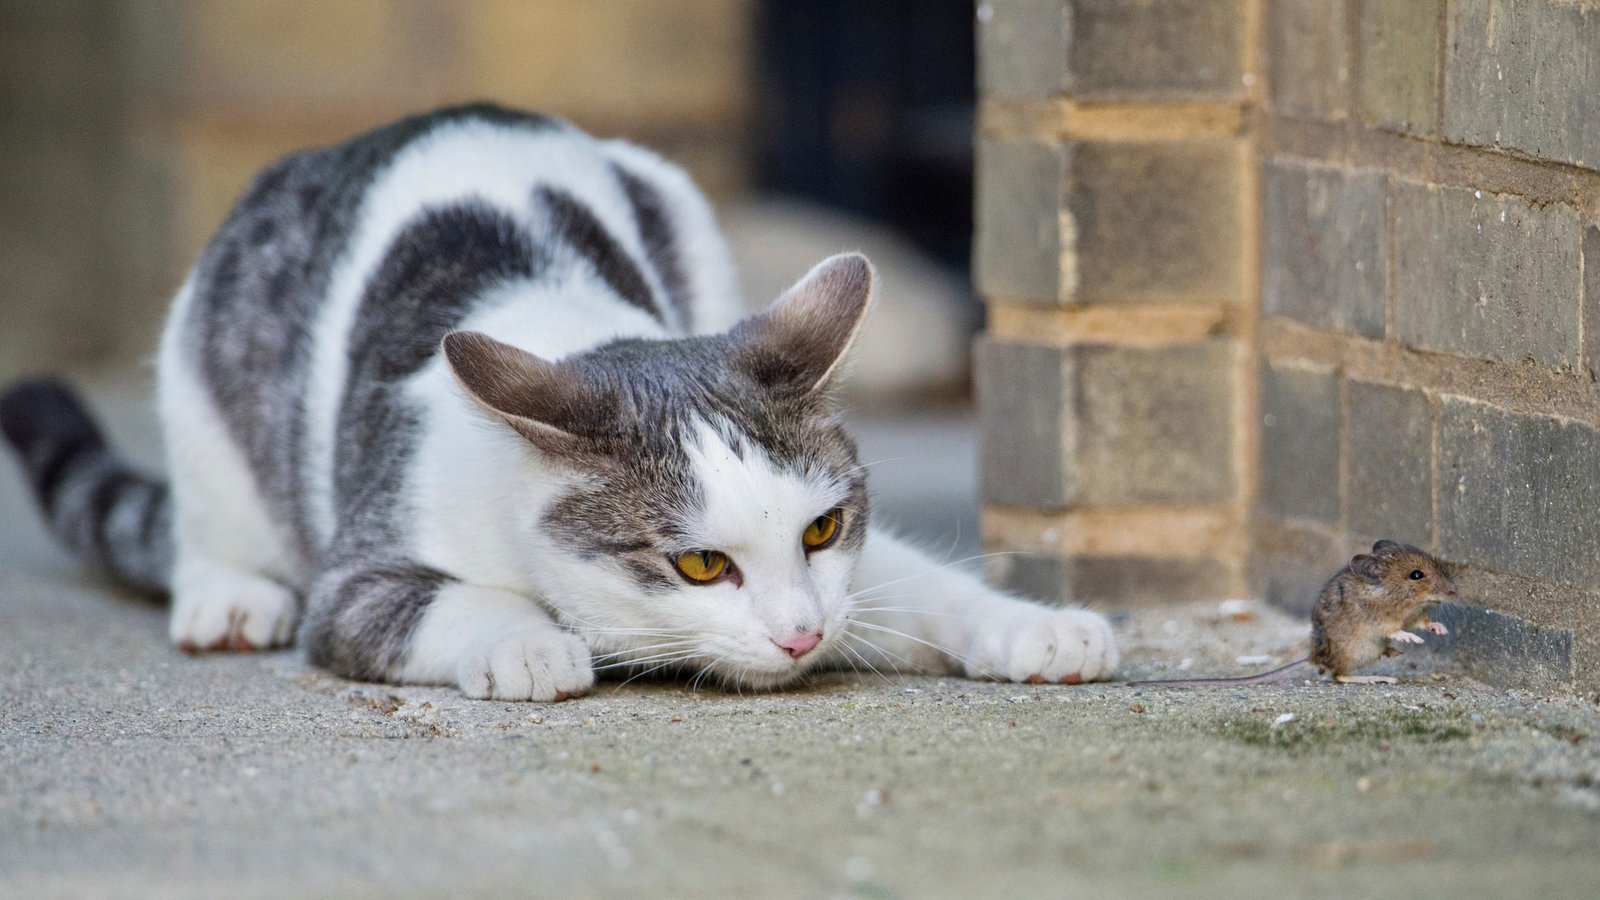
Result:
pixel 800 644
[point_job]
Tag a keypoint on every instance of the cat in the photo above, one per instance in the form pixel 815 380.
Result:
pixel 467 400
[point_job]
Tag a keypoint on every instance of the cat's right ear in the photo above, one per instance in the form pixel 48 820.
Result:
pixel 797 345
pixel 528 393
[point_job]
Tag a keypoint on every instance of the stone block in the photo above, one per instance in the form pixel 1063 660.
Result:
pixel 1308 73
pixel 1400 65
pixel 1300 444
pixel 1022 48
pixel 1503 650
pixel 1157 222
pixel 1487 275
pixel 1144 581
pixel 1111 581
pixel 1103 425
pixel 1154 425
pixel 1325 246
pixel 1524 76
pixel 1518 493
pixel 1019 251
pixel 1390 464
pixel 1038 576
pixel 1289 574
pixel 1023 392
pixel 1144 50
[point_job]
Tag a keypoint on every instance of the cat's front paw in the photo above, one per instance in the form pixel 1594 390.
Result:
pixel 224 609
pixel 1065 646
pixel 536 663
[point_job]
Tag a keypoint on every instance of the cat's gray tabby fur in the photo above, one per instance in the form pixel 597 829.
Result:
pixel 466 400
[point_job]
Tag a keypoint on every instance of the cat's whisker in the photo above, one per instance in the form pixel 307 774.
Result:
pixel 681 658
pixel 680 640
pixel 879 462
pixel 589 628
pixel 883 650
pixel 929 572
pixel 913 638
pixel 630 660
pixel 694 683
pixel 857 654
pixel 920 610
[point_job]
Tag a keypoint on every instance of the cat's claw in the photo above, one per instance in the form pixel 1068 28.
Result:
pixel 1063 646
pixel 542 664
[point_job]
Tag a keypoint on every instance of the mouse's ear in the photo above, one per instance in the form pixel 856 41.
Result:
pixel 1367 568
pixel 1381 546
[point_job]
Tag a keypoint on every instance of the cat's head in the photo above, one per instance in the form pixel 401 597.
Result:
pixel 714 508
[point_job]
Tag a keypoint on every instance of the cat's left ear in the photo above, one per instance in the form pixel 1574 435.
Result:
pixel 532 395
pixel 797 344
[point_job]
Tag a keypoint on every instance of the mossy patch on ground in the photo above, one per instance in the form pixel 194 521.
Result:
pixel 1364 728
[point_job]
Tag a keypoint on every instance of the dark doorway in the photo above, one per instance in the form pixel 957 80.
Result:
pixel 868 106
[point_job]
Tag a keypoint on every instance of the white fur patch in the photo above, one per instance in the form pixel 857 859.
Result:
pixel 748 502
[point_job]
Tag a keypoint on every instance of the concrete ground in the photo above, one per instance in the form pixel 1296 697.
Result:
pixel 128 769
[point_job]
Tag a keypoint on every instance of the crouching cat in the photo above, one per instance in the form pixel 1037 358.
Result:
pixel 466 400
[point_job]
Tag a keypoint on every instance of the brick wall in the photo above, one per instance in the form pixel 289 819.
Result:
pixel 128 127
pixel 1115 251
pixel 1325 275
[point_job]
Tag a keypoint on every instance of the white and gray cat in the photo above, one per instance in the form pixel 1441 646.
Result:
pixel 465 400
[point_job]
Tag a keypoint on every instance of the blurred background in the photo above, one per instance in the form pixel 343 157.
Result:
pixel 128 128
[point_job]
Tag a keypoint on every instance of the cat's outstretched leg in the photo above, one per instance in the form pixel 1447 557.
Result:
pixel 912 612
pixel 402 622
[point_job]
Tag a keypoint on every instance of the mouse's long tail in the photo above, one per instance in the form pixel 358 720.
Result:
pixel 1262 678
pixel 94 502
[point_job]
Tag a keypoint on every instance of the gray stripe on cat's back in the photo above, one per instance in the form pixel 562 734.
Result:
pixel 436 271
pixel 262 281
pixel 575 225
pixel 660 240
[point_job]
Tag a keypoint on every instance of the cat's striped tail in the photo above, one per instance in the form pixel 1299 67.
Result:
pixel 102 509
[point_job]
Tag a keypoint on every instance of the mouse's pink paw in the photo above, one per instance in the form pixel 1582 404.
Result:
pixel 1405 637
pixel 1437 628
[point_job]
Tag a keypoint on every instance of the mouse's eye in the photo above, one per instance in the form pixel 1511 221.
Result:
pixel 823 529
pixel 701 566
pixel 1416 575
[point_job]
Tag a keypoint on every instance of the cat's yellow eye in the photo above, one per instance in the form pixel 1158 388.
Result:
pixel 822 530
pixel 701 566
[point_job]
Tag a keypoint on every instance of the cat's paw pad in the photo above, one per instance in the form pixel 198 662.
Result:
pixel 1065 646
pixel 534 664
pixel 231 611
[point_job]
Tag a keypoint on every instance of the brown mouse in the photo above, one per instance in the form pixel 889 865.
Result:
pixel 1374 599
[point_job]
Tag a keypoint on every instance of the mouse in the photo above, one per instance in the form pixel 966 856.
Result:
pixel 1376 598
